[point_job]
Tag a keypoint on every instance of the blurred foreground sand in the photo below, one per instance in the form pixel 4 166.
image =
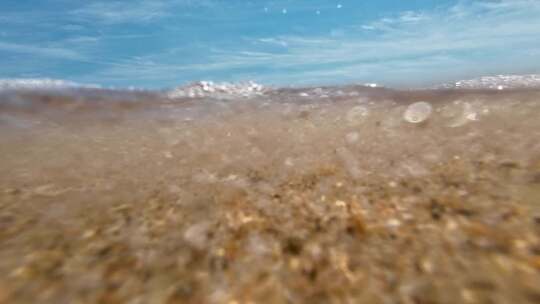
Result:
pixel 283 198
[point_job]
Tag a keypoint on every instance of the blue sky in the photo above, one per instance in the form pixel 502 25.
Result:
pixel 158 43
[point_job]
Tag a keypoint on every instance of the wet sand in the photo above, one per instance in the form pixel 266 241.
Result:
pixel 296 196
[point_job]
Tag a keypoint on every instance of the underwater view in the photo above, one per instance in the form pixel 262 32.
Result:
pixel 270 152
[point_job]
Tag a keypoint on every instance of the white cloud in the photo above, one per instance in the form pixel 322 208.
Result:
pixel 411 17
pixel 411 48
pixel 83 39
pixel 50 52
pixel 273 41
pixel 113 12
pixel 409 42
pixel 137 11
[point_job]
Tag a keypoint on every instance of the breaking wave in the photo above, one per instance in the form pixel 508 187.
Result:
pixel 497 82
pixel 251 89
pixel 222 90
pixel 46 84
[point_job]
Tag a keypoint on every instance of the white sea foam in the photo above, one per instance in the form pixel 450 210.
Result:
pixel 223 90
pixel 497 82
pixel 40 84
pixel 227 90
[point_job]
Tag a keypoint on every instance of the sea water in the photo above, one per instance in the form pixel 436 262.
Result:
pixel 230 193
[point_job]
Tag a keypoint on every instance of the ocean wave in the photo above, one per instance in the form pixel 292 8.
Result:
pixel 40 84
pixel 497 82
pixel 250 89
pixel 224 90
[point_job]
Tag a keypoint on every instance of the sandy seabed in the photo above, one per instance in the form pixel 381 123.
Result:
pixel 295 196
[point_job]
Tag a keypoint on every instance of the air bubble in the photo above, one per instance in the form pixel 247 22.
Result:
pixel 418 112
pixel 356 114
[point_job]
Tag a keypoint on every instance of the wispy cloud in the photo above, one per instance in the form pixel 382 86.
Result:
pixel 49 52
pixel 274 41
pixel 112 12
pixel 137 11
pixel 473 34
pixel 83 39
pixel 409 47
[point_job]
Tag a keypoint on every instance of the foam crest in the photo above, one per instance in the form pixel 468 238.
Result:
pixel 497 82
pixel 224 90
pixel 40 84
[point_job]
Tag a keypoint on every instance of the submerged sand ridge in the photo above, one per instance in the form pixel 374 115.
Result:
pixel 347 195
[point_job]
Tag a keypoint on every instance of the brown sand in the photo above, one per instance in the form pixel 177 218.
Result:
pixel 283 199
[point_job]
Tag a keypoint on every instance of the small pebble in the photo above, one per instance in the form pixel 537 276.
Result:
pixel 451 225
pixel 197 234
pixel 352 137
pixel 408 216
pixel 12 191
pixel 289 162
pixel 340 204
pixel 427 266
pixel 393 223
pixel 167 154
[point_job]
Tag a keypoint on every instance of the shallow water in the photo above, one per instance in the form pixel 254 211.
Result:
pixel 314 195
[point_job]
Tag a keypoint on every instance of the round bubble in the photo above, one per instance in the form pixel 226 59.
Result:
pixel 356 114
pixel 418 112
